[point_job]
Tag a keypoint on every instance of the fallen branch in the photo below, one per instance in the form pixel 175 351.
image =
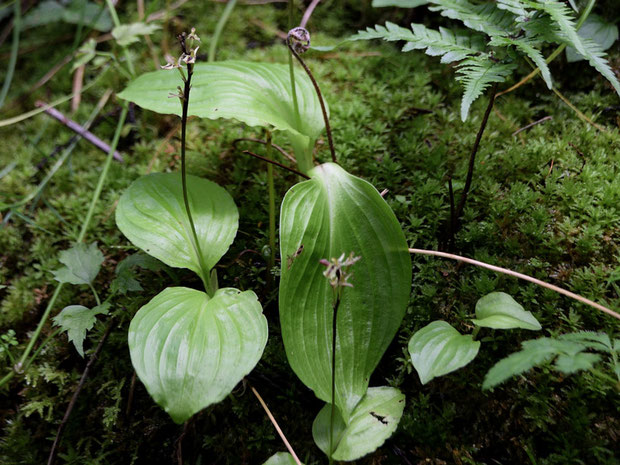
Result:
pixel 531 125
pixel 78 129
pixel 76 394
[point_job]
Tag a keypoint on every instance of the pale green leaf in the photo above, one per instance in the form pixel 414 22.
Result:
pixel 82 263
pixel 573 363
pixel 76 320
pixel 281 458
pixel 151 214
pixel 398 3
pixel 190 350
pixel 499 310
pixel 372 421
pixel 77 12
pixel 126 34
pixel 331 214
pixel 257 94
pixel 439 349
pixel 598 30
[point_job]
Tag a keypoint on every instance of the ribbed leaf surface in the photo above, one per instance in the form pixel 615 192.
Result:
pixel 438 349
pixel 190 350
pixel 331 214
pixel 151 214
pixel 499 310
pixel 372 422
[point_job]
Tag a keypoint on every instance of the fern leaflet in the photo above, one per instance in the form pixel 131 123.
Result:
pixel 477 74
pixel 485 18
pixel 528 47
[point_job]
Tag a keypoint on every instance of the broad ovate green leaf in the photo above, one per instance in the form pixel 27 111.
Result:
pixel 82 263
pixel 331 214
pixel 281 458
pixel 151 214
pixel 499 310
pixel 76 320
pixel 126 34
pixel 439 349
pixel 257 94
pixel 191 350
pixel 372 421
pixel 595 28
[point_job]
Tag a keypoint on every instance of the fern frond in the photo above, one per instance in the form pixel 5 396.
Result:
pixel 516 7
pixel 485 18
pixel 527 46
pixel 451 46
pixel 477 74
pixel 564 21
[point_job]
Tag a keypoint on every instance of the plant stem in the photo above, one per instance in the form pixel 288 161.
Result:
pixel 117 23
pixel 291 22
pixel 272 213
pixel 273 162
pixel 332 415
pixel 328 128
pixel 17 22
pixel 470 171
pixel 33 339
pixel 230 6
pixel 306 17
pixel 76 394
pixel 275 425
pixel 204 271
pixel 525 277
pixel 584 15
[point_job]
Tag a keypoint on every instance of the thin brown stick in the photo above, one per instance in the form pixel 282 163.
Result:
pixel 528 126
pixel 132 390
pixel 78 129
pixel 517 275
pixel 273 162
pixel 76 394
pixel 78 83
pixel 328 128
pixel 275 425
pixel 264 142
pixel 308 13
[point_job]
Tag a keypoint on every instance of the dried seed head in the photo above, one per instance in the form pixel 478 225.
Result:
pixel 299 39
pixel 337 271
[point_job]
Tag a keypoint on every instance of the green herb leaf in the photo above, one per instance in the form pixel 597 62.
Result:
pixel 82 264
pixel 257 94
pixel 126 34
pixel 331 214
pixel 190 350
pixel 76 320
pixel 439 349
pixel 281 458
pixel 77 12
pixel 372 421
pixel 498 310
pixel 151 214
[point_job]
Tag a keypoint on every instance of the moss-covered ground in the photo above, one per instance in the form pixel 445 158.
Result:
pixel 544 202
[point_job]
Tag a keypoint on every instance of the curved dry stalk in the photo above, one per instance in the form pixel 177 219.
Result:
pixel 273 162
pixel 284 153
pixel 306 17
pixel 276 426
pixel 525 277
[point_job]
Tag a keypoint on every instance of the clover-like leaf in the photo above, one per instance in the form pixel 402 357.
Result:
pixel 335 213
pixel 191 350
pixel 438 349
pixel 499 310
pixel 82 263
pixel 257 94
pixel 281 458
pixel 151 214
pixel 76 320
pixel 372 421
